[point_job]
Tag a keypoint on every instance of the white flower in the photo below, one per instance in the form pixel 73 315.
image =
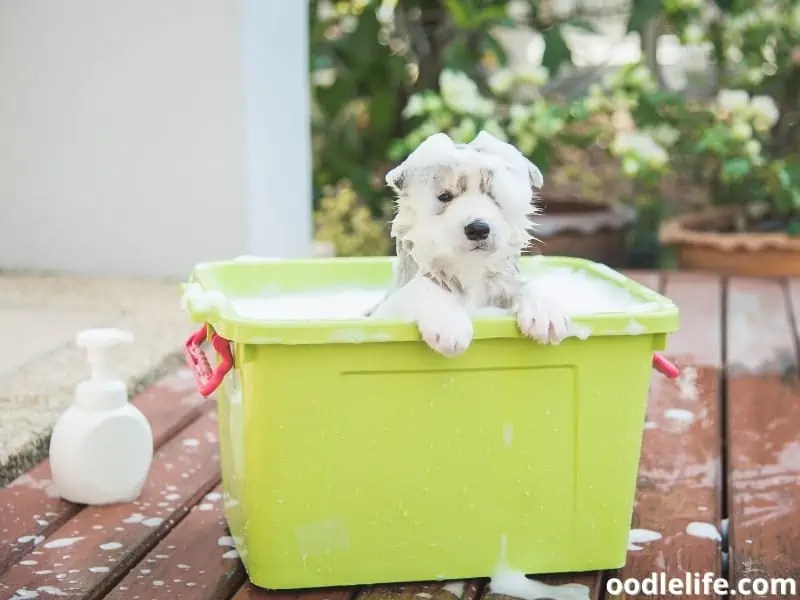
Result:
pixel 527 143
pixel 459 91
pixel 642 77
pixel 432 103
pixel 734 54
pixel 665 134
pixel 753 148
pixel 518 115
pixel 484 108
pixel 326 10
pixel 640 145
pixel 535 75
pixel 741 130
pixel 768 14
pixel 414 107
pixel 765 112
pixel 324 78
pixel 693 33
pixel 733 101
pixel 385 12
pixel 464 132
pixel 518 10
pixel 754 75
pixel 349 23
pixel 493 127
pixel 630 166
pixel 501 81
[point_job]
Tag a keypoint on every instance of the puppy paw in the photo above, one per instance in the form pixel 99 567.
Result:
pixel 541 319
pixel 448 333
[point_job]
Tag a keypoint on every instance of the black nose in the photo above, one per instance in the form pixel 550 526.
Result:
pixel 477 230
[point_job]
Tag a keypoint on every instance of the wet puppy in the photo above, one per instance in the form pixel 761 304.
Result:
pixel 462 221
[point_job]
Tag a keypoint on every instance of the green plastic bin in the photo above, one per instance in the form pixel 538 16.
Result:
pixel 353 454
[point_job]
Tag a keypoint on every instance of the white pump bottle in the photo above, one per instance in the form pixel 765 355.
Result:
pixel 102 446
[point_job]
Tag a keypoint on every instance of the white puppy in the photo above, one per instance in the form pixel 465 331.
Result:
pixel 463 219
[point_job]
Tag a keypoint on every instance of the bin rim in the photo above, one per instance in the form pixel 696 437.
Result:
pixel 658 314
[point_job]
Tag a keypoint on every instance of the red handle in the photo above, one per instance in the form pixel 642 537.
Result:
pixel 665 367
pixel 208 379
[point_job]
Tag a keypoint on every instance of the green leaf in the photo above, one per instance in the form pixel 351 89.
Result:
pixel 556 50
pixel 736 169
pixel 491 44
pixel 458 12
pixel 641 14
pixel 493 15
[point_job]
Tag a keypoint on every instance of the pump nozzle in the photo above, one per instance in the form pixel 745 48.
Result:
pixel 97 342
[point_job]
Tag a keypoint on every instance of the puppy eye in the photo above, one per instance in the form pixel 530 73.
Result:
pixel 445 196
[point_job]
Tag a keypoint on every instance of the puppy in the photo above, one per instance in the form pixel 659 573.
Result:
pixel 462 221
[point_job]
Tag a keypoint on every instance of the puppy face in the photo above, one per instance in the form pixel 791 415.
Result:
pixel 463 205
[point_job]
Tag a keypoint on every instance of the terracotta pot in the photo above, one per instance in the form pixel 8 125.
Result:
pixel 583 229
pixel 745 254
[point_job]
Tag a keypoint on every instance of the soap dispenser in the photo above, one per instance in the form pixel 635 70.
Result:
pixel 102 446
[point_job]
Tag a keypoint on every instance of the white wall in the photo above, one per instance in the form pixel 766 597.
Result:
pixel 139 137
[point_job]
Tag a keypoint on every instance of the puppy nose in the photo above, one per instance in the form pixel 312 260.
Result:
pixel 477 230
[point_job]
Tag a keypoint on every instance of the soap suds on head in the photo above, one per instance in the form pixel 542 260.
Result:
pixel 703 530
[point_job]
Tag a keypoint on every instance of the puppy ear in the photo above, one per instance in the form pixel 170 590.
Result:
pixel 396 178
pixel 486 142
pixel 430 151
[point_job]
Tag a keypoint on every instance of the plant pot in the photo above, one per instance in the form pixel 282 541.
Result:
pixel 583 229
pixel 698 247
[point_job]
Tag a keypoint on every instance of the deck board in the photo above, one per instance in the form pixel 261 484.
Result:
pixel 195 561
pixel 763 400
pixel 679 469
pixel 99 545
pixel 31 509
pixel 738 338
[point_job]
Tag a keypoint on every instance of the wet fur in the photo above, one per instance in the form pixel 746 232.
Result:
pixel 437 266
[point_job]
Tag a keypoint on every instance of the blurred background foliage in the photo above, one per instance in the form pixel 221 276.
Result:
pixel 640 127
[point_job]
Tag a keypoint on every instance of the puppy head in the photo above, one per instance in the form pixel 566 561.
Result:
pixel 463 205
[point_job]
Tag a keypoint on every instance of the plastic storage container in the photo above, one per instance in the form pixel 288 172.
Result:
pixel 354 454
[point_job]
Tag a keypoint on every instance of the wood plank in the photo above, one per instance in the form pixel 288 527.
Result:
pixel 763 440
pixel 564 586
pixel 443 590
pixel 31 506
pixel 679 471
pixel 195 561
pixel 250 592
pixel 87 555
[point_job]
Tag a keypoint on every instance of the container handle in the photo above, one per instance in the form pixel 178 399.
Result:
pixel 208 379
pixel 665 367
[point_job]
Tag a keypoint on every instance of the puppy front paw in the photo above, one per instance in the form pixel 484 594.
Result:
pixel 539 318
pixel 447 332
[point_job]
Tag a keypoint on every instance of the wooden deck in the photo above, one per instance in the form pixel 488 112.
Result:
pixel 722 446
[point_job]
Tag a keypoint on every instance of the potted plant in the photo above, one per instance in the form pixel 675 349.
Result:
pixel 741 146
pixel 545 129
